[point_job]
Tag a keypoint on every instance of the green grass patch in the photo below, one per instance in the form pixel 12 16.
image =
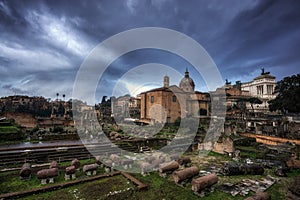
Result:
pixel 10 181
pixel 9 129
pixel 98 189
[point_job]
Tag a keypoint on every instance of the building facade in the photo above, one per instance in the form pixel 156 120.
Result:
pixel 262 87
pixel 169 103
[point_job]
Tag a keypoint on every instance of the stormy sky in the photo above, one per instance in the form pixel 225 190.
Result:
pixel 44 43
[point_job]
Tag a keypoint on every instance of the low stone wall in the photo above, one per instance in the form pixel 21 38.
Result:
pixel 61 137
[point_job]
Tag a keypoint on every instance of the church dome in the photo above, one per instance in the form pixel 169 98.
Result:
pixel 187 84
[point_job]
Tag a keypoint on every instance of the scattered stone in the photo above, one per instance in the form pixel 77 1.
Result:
pixel 246 185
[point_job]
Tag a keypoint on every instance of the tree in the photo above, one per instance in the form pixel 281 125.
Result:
pixel 57 94
pixel 64 96
pixel 288 98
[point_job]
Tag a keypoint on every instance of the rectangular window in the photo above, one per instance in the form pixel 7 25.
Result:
pixel 174 98
pixel 260 89
pixel 152 99
pixel 269 89
pixel 257 89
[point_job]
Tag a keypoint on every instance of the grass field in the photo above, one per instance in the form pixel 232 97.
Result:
pixel 158 187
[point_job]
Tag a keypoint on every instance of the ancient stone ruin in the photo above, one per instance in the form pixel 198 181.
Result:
pixel 76 163
pixel 185 161
pixel 231 169
pixel 99 160
pixel 25 172
pixel 127 163
pixel 90 169
pixel 184 174
pixel 115 160
pixel 168 167
pixel 53 164
pixel 47 175
pixel 70 172
pixel 204 182
pixel 108 166
pixel 145 168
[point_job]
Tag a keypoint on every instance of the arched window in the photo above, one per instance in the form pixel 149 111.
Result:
pixel 174 98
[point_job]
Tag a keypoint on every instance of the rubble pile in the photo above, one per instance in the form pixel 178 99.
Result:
pixel 246 185
pixel 231 169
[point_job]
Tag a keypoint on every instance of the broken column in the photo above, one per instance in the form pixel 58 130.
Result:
pixel 25 173
pixel 185 161
pixel 76 163
pixel 204 182
pixel 127 163
pixel 184 174
pixel 47 175
pixel 70 172
pixel 168 167
pixel 90 169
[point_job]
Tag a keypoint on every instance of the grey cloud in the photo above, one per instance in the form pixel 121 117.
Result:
pixel 56 36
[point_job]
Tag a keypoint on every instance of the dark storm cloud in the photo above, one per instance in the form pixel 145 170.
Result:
pixel 266 35
pixel 43 43
pixel 16 90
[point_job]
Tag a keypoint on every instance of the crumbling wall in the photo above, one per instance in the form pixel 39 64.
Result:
pixel 225 144
pixel 23 119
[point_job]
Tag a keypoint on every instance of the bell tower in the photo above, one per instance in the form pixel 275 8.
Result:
pixel 166 81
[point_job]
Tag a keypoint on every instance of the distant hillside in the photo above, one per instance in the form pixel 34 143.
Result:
pixel 9 131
